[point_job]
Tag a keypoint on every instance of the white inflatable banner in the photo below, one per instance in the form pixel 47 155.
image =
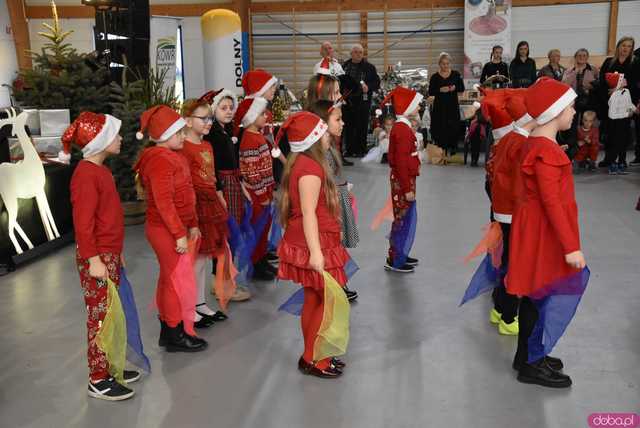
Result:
pixel 222 49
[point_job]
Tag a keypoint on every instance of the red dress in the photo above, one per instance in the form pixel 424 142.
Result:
pixel 293 250
pixel 545 225
pixel 506 181
pixel 212 215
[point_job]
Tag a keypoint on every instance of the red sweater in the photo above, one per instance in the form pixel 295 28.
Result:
pixel 506 184
pixel 171 201
pixel 98 219
pixel 256 167
pixel 593 135
pixel 403 154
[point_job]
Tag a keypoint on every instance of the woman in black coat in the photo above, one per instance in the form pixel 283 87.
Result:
pixel 444 86
pixel 522 69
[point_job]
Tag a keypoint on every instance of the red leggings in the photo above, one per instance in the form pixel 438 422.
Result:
pixel 164 245
pixel 312 311
pixel 263 239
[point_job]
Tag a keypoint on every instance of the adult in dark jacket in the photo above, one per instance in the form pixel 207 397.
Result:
pixel 522 69
pixel 618 132
pixel 444 86
pixel 635 71
pixel 495 67
pixel 356 112
pixel 553 70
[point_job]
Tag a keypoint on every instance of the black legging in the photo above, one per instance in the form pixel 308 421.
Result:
pixel 505 303
pixel 527 319
pixel 618 139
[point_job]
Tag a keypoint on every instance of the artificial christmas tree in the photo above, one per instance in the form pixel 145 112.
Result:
pixel 62 78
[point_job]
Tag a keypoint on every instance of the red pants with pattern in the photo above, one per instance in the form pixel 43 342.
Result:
pixel 164 245
pixel 263 240
pixel 400 207
pixel 95 298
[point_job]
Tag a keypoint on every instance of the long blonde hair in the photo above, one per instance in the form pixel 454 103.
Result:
pixel 323 109
pixel 315 152
pixel 616 55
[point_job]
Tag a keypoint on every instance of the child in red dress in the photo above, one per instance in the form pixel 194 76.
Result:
pixel 311 244
pixel 545 237
pixel 98 222
pixel 171 217
pixel 404 161
pixel 256 170
pixel 210 203
pixel 588 141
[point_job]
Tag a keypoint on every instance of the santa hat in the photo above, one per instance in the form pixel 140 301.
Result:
pixel 614 80
pixel 547 98
pixel 256 82
pixel 493 107
pixel 92 132
pixel 303 130
pixel 214 98
pixel 160 123
pixel 405 101
pixel 517 108
pixel 249 110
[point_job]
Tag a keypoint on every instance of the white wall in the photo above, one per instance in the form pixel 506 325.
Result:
pixel 81 38
pixel 8 59
pixel 564 27
pixel 629 20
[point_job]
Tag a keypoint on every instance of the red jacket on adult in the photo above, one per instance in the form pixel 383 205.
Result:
pixel 171 201
pixel 506 184
pixel 403 153
pixel 545 225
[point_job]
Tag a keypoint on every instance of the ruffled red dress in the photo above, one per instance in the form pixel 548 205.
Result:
pixel 293 250
pixel 545 225
pixel 212 215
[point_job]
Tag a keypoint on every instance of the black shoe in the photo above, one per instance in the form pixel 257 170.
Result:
pixel 109 390
pixel 131 376
pixel 554 363
pixel 263 271
pixel 539 373
pixel 603 164
pixel 635 162
pixel 351 294
pixel 411 261
pixel 346 162
pixel 272 258
pixel 162 341
pixel 385 159
pixel 592 166
pixel 179 341
pixel 205 322
pixel 474 164
pixel 406 268
pixel 219 316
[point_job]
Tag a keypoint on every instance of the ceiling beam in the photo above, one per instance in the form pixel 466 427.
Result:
pixel 44 12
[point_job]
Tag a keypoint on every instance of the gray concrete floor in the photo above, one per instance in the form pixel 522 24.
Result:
pixel 415 358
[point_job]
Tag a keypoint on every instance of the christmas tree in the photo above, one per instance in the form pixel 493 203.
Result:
pixel 61 77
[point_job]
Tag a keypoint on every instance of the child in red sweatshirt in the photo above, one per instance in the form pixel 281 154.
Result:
pixel 256 171
pixel 98 222
pixel 171 218
pixel 588 141
pixel 404 162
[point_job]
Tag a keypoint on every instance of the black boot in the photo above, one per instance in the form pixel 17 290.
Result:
pixel 351 294
pixel 263 271
pixel 179 341
pixel 539 373
pixel 162 341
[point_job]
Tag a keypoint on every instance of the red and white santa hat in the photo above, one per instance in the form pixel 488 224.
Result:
pixel 303 129
pixel 91 132
pixel 214 98
pixel 256 82
pixel 614 80
pixel 547 98
pixel 249 110
pixel 493 107
pixel 160 123
pixel 517 107
pixel 405 101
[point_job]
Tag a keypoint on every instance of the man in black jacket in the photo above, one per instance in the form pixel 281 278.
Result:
pixel 357 111
pixel 635 79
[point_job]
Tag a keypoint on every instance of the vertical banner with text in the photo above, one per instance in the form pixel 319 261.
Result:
pixel 163 47
pixel 222 49
pixel 487 23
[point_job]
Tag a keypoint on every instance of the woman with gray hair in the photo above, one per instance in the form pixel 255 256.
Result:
pixel 581 78
pixel 553 70
pixel 444 86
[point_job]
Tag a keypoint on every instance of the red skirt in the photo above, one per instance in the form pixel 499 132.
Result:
pixel 212 221
pixel 294 261
pixel 232 190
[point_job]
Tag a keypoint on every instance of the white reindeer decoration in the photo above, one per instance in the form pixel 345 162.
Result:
pixel 24 180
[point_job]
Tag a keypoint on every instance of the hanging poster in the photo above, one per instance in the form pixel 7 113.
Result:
pixel 162 46
pixel 487 23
